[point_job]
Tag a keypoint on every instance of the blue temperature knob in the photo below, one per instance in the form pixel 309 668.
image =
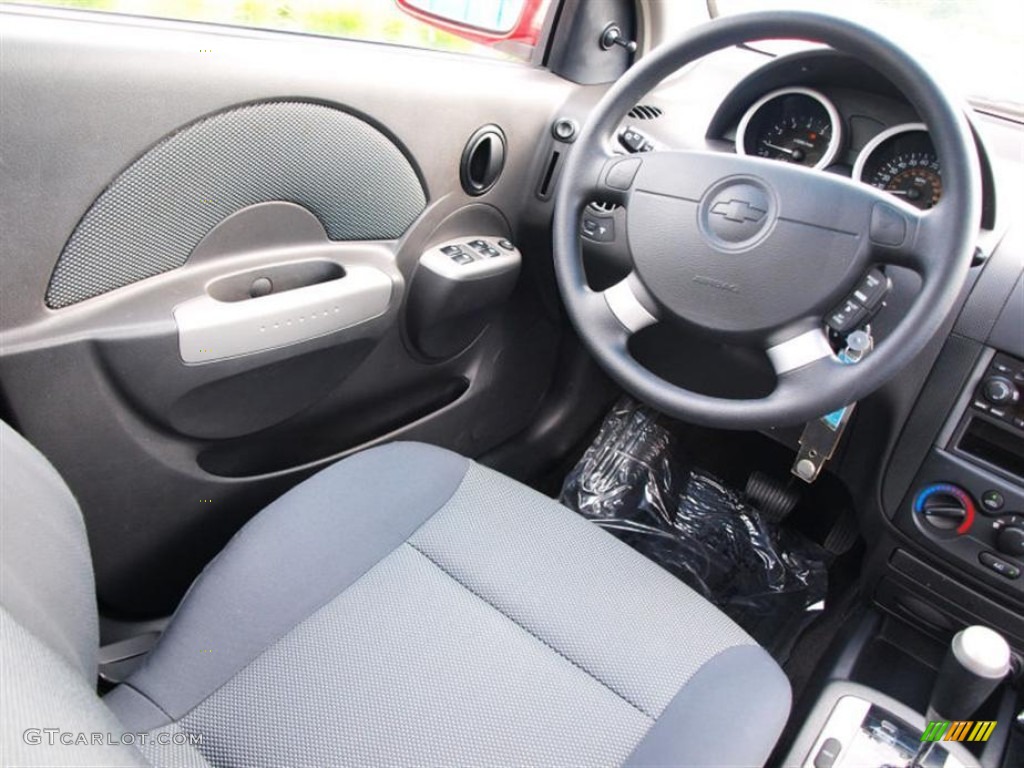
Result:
pixel 945 506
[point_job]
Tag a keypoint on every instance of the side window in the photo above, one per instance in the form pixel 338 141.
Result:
pixel 491 28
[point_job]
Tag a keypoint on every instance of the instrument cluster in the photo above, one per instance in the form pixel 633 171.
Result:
pixel 802 126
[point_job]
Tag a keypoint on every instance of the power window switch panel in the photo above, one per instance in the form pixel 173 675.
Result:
pixel 470 258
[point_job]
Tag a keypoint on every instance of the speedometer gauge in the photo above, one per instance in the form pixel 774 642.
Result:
pixel 795 125
pixel 902 161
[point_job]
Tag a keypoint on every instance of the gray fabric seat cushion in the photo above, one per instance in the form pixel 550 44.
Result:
pixel 409 607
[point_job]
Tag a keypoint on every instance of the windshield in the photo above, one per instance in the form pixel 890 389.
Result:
pixel 976 46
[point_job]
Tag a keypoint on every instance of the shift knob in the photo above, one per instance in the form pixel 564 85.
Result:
pixel 978 660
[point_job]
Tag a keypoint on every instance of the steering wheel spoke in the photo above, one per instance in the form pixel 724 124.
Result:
pixel 615 314
pixel 799 351
pixel 628 302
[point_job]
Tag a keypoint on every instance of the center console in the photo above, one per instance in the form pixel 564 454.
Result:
pixel 955 558
pixel 967 500
pixel 852 724
pixel 855 726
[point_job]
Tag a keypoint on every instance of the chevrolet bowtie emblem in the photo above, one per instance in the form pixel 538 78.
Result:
pixel 738 210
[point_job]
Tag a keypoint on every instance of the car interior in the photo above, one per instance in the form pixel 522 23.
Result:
pixel 583 383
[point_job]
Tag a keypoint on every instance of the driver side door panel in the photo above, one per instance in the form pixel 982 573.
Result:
pixel 157 177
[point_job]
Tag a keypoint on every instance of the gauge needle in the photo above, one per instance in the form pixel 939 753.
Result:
pixel 777 148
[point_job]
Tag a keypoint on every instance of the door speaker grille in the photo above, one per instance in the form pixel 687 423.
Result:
pixel 346 172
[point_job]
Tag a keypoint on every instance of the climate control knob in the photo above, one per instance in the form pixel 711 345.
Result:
pixel 1010 540
pixel 945 507
pixel 999 390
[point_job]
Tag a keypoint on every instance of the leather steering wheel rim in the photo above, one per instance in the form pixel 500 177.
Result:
pixel 810 222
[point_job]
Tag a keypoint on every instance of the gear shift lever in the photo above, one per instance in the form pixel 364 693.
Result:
pixel 976 663
pixel 978 660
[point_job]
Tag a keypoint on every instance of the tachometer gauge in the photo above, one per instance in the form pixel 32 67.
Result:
pixel 902 161
pixel 795 125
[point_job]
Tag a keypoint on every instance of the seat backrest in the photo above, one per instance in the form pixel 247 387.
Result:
pixel 46 578
pixel 50 713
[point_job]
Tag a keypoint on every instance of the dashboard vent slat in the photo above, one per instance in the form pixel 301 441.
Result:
pixel 645 112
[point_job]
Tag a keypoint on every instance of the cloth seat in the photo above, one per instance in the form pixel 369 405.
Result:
pixel 409 607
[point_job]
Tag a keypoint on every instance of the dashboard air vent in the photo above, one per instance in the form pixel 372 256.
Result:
pixel 645 112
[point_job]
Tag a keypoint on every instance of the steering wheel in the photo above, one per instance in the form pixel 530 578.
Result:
pixel 755 252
